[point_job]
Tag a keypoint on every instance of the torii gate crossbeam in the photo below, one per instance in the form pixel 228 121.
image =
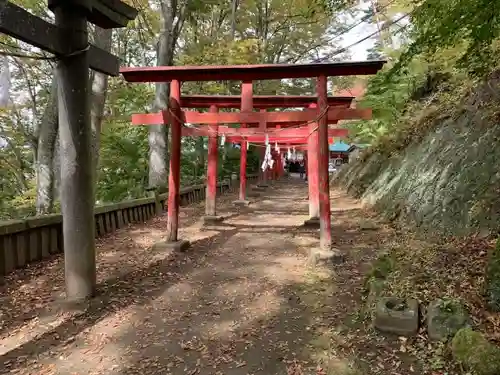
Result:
pixel 260 101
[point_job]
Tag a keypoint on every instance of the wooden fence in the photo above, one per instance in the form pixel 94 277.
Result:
pixel 36 238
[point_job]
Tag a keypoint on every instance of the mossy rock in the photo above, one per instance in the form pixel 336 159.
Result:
pixel 367 225
pixel 493 279
pixel 444 319
pixel 374 288
pixel 381 268
pixel 473 351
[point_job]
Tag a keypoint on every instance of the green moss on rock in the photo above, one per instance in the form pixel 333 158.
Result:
pixel 473 351
pixel 445 317
pixel 493 278
pixel 382 267
pixel 375 279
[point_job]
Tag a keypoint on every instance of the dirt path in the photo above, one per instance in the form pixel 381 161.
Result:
pixel 241 301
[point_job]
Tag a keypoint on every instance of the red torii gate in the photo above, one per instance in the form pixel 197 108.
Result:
pixel 284 119
pixel 263 102
pixel 240 135
pixel 246 117
pixel 256 134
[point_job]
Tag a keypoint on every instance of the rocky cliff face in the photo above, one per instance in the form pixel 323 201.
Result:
pixel 447 181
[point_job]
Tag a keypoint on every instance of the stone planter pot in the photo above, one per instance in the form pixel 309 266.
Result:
pixel 397 315
pixel 445 318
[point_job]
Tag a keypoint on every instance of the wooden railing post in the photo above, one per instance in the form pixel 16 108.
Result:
pixel 153 192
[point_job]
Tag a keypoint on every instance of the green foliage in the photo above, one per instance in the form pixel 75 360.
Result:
pixel 451 44
pixel 476 353
pixel 124 166
pixel 447 23
pixel 270 31
pixel 380 270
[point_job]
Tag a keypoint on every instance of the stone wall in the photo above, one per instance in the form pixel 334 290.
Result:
pixel 446 182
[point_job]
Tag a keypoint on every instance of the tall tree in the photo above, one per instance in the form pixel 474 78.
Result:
pixel 99 82
pixel 47 163
pixel 173 15
pixel 46 149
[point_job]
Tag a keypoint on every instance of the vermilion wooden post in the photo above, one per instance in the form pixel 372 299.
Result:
pixel 213 151
pixel 246 106
pixel 175 163
pixel 243 170
pixel 312 170
pixel 323 158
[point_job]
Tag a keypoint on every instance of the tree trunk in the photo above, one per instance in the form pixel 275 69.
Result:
pixel 234 9
pixel 200 159
pixel 102 39
pixel 56 166
pixel 45 154
pixel 158 134
pixel 48 165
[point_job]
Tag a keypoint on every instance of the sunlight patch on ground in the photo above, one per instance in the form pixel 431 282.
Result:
pixel 181 291
pixel 30 331
pixel 110 358
pixel 265 305
pixel 276 273
pixel 220 330
pixel 305 241
pixel 268 222
pixel 232 289
pixel 195 234
pixel 145 237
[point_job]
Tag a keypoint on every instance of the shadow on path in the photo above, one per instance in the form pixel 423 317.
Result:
pixel 240 301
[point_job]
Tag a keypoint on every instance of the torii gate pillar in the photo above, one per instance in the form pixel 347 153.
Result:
pixel 213 155
pixel 77 191
pixel 69 41
pixel 174 181
pixel 312 174
pixel 325 234
pixel 246 106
